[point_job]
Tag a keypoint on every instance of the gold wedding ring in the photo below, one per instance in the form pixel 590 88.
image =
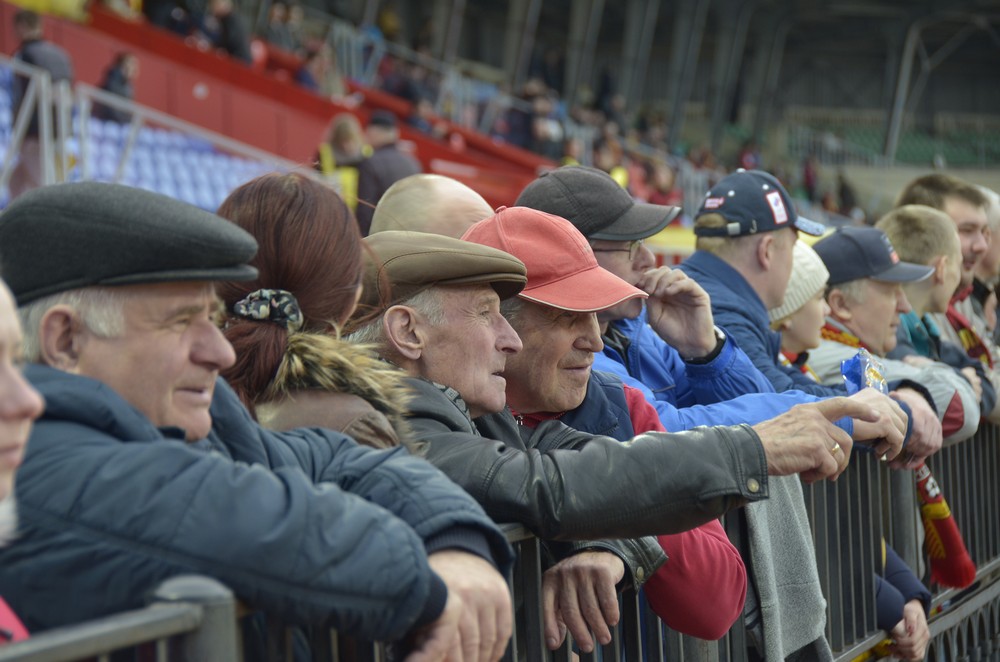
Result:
pixel 835 449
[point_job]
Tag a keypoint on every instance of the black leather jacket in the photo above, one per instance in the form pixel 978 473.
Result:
pixel 568 485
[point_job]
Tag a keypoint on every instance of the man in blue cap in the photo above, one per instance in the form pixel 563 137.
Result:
pixel 746 229
pixel 866 297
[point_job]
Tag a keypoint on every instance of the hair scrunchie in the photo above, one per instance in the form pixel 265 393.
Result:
pixel 278 306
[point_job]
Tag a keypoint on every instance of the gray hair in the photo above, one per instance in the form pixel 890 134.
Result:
pixel 511 310
pixel 426 302
pixel 102 310
pixel 853 290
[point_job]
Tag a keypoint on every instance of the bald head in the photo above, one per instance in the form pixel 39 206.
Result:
pixel 429 203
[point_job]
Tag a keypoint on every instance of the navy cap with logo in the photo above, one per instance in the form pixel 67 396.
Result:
pixel 753 201
pixel 852 253
pixel 595 203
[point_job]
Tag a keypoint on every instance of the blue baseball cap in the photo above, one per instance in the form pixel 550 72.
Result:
pixel 852 253
pixel 753 201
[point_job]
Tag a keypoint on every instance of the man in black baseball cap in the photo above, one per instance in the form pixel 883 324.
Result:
pixel 145 465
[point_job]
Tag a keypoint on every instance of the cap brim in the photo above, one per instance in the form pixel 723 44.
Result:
pixel 238 272
pixel 641 221
pixel 905 272
pixel 589 291
pixel 809 227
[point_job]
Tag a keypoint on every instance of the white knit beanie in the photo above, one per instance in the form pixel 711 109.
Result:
pixel 809 276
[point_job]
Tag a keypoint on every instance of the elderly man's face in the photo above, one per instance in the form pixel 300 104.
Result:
pixel 552 372
pixel 875 319
pixel 469 349
pixel 629 261
pixel 19 403
pixel 166 360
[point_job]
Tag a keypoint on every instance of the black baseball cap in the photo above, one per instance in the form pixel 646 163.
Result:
pixel 851 253
pixel 753 201
pixel 595 203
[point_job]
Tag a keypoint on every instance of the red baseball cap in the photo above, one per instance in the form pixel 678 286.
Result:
pixel 562 270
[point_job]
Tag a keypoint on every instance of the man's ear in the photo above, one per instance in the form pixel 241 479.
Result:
pixel 940 264
pixel 404 332
pixel 839 306
pixel 60 337
pixel 765 250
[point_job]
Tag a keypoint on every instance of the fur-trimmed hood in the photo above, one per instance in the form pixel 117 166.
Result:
pixel 325 364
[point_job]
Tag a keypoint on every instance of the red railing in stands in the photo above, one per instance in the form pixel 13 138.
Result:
pixel 261 108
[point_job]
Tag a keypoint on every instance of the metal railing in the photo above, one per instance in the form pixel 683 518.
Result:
pixel 849 519
pixel 67 146
pixel 189 618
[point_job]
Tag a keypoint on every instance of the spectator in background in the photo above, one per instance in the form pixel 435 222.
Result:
pixel 345 141
pixel 984 285
pixel 294 23
pixel 664 190
pixel 36 51
pixel 118 80
pixel 749 158
pixel 229 31
pixel 277 33
pixel 387 165
pixel 423 120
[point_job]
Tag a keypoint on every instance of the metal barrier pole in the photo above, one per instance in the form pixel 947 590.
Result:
pixel 63 99
pixel 26 110
pixel 217 638
pixel 45 130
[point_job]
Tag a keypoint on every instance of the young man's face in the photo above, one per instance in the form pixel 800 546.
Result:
pixel 875 318
pixel 973 233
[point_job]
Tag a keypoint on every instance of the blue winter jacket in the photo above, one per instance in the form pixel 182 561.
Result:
pixel 727 390
pixel 738 309
pixel 304 524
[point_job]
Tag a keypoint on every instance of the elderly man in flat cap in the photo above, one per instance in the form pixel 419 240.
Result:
pixel 431 305
pixel 145 465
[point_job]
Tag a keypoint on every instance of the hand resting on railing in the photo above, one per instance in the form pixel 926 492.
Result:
pixel 579 594
pixel 911 635
pixel 477 620
pixel 805 441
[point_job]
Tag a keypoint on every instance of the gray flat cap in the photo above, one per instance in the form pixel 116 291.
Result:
pixel 68 236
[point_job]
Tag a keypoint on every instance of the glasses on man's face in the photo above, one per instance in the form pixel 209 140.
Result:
pixel 632 250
